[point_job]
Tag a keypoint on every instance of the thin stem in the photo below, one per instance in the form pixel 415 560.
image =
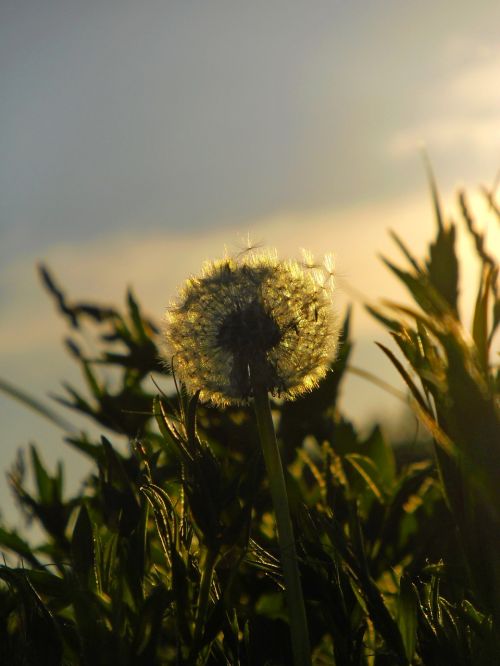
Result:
pixel 295 600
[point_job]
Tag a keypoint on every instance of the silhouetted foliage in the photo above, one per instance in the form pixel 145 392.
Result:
pixel 168 555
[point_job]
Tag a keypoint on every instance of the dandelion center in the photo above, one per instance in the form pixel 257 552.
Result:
pixel 249 331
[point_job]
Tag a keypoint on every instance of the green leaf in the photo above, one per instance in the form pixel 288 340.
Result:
pixel 12 541
pixel 43 481
pixel 423 291
pixel 135 315
pixel 407 620
pixel 108 560
pixel 392 324
pixel 83 444
pixel 35 405
pixel 442 266
pixel 368 471
pixel 79 403
pixel 272 606
pixel 148 631
pixel 404 374
pixel 478 237
pixel 363 585
pixel 169 429
pixel 54 589
pixel 82 547
pixel 480 620
pixel 44 643
pixel 376 381
pixel 97 391
pixel 180 588
pixel 164 515
pixel 406 252
pixel 434 191
pixel 480 321
pixel 382 454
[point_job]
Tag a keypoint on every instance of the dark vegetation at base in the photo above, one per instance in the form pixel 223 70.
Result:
pixel 398 547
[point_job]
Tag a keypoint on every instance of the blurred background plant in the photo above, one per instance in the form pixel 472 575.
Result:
pixel 167 555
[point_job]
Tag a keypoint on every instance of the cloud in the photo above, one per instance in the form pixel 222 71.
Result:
pixel 461 113
pixel 155 263
pixel 474 135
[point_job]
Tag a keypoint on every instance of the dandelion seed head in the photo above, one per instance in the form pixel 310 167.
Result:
pixel 252 320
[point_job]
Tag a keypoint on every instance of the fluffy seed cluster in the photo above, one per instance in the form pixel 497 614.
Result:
pixel 252 321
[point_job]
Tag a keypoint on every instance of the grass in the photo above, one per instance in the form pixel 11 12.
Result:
pixel 169 555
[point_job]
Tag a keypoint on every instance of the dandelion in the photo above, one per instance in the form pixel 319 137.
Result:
pixel 253 316
pixel 246 328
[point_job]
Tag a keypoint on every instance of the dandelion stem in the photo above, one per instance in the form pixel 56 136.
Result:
pixel 295 601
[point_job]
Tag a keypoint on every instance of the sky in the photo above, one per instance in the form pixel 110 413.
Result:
pixel 139 139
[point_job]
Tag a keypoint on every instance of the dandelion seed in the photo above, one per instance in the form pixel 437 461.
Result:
pixel 254 314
